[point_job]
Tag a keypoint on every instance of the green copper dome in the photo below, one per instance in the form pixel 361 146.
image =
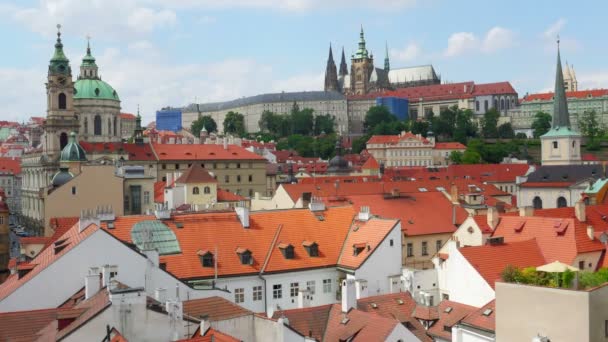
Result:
pixel 73 151
pixel 86 88
pixel 59 63
pixel 61 177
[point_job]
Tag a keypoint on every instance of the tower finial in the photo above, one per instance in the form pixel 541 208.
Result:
pixel 558 42
pixel 88 36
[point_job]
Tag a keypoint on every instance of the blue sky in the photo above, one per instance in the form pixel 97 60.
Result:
pixel 163 52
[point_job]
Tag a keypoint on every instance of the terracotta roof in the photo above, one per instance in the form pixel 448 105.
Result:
pixel 449 146
pixel 369 234
pixel 483 318
pixel 450 313
pixel 399 306
pixel 395 139
pixel 370 164
pixel 34 240
pixel 493 88
pixel 310 321
pixel 215 308
pixel 45 258
pixel 475 172
pixel 222 230
pixel 24 325
pixel 12 165
pixel 559 239
pixel 202 152
pixel 339 179
pixel 420 213
pixel 581 94
pixel 482 223
pixel 211 335
pixel 127 116
pixel 227 196
pixel 139 152
pixel 196 174
pixel 361 326
pixel 60 226
pixel 546 184
pixel 491 260
pixel 159 191
pixel 427 313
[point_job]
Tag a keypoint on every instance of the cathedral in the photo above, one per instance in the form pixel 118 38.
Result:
pixel 365 78
pixel 87 109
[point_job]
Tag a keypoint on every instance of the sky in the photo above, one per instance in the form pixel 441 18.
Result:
pixel 159 53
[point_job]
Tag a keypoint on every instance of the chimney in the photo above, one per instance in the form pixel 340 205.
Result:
pixel 580 211
pixel 316 204
pixel 92 283
pixel 107 273
pixel 527 211
pixel 349 296
pixel 492 217
pixel 153 256
pixel 454 193
pixel 205 325
pixel 361 289
pixel 243 213
pixel 591 232
pixel 160 294
pixel 225 143
pixel 364 214
pixel 395 192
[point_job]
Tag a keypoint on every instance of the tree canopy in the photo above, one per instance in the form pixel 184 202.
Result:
pixel 204 121
pixel 234 123
pixel 377 115
pixel 592 129
pixel 489 124
pixel 541 124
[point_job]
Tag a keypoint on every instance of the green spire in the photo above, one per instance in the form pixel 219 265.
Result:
pixel 387 64
pixel 362 51
pixel 59 62
pixel 138 133
pixel 561 118
pixel 88 59
pixel 73 151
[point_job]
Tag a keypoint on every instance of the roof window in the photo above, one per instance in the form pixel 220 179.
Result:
pixel 358 248
pixel 245 256
pixel 448 309
pixel 487 312
pixel 422 189
pixel 206 258
pixel 96 91
pixel 287 250
pixel 312 248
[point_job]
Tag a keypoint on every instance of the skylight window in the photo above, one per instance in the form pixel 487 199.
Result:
pixel 448 309
pixel 155 235
pixel 422 189
pixel 487 312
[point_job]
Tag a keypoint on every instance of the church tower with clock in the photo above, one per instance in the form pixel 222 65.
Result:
pixel 61 118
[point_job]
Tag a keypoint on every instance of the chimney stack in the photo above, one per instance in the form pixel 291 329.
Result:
pixel 591 232
pixel 364 214
pixel 243 213
pixel 492 217
pixel 580 211
pixel 160 294
pixel 205 325
pixel 349 295
pixel 527 211
pixel 454 194
pixel 92 283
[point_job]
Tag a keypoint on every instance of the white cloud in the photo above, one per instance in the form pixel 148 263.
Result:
pixel 23 93
pixel 460 43
pixel 498 38
pixel 552 31
pixel 146 19
pixel 595 80
pixel 286 5
pixel 299 83
pixel 409 53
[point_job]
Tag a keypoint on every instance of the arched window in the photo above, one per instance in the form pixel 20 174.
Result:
pixel 485 105
pixel 63 140
pixel 502 104
pixel 195 190
pixel 495 104
pixel 207 190
pixel 115 127
pixel 62 101
pixel 561 202
pixel 86 125
pixel 97 125
pixel 537 203
pixel 109 126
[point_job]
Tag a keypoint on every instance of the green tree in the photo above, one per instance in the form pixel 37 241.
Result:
pixel 541 124
pixel 204 121
pixel 592 129
pixel 471 157
pixel 506 131
pixel 489 124
pixel 521 135
pixel 302 121
pixel 234 123
pixel 420 127
pixel 324 124
pixel 325 146
pixel 359 144
pixel 269 122
pixel 456 157
pixel 376 115
pixel 444 124
pixel 464 126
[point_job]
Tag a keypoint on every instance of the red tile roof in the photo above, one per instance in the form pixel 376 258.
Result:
pixel 159 191
pixel 449 146
pixel 60 226
pixel 10 165
pixel 493 88
pixel 140 152
pixel 196 174
pixel 546 184
pixel 450 313
pixel 34 240
pixel 211 335
pixel 478 172
pixel 166 152
pixel 371 164
pixel 310 321
pixel 369 234
pixel 581 94
pixel 427 313
pixel 127 116
pixel 24 325
pixel 227 196
pixel 482 321
pixel 361 326
pixel 395 139
pixel 215 308
pixel 491 260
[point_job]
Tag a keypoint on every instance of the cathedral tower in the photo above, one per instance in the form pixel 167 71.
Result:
pixel 343 67
pixel 561 145
pixel 362 65
pixel 61 118
pixel 331 75
pixel 387 63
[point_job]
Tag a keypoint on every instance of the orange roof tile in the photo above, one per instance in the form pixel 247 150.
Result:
pixel 196 174
pixel 581 94
pixel 227 196
pixel 34 240
pixel 476 172
pixel 367 235
pixel 127 116
pixel 395 139
pixel 491 260
pixel 215 308
pixel 361 326
pixel 427 313
pixel 211 335
pixel 370 164
pixel 480 320
pixel 159 191
pixel 310 321
pixel 166 152
pixel 546 184
pixel 24 325
pixel 10 165
pixel 140 152
pixel 449 146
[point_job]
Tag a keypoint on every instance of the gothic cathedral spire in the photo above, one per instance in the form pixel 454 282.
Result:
pixel 343 66
pixel 331 75
pixel 561 118
pixel 387 64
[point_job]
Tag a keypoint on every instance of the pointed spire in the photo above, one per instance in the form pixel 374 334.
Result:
pixel 58 56
pixel 138 132
pixel 331 55
pixel 561 118
pixel 343 66
pixel 387 64
pixel 331 75
pixel 362 51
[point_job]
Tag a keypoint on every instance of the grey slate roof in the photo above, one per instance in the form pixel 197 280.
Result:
pixel 565 173
pixel 268 98
pixel 412 74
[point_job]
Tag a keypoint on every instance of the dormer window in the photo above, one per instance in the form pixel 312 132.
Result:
pixel 245 256
pixel 287 250
pixel 312 248
pixel 206 258
pixel 358 248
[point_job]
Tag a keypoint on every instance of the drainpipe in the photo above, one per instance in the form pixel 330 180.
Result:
pixel 260 275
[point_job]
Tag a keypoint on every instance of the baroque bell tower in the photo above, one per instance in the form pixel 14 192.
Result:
pixel 362 65
pixel 61 118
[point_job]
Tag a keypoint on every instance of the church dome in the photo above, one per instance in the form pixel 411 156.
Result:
pixel 61 177
pixel 338 164
pixel 73 151
pixel 87 88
